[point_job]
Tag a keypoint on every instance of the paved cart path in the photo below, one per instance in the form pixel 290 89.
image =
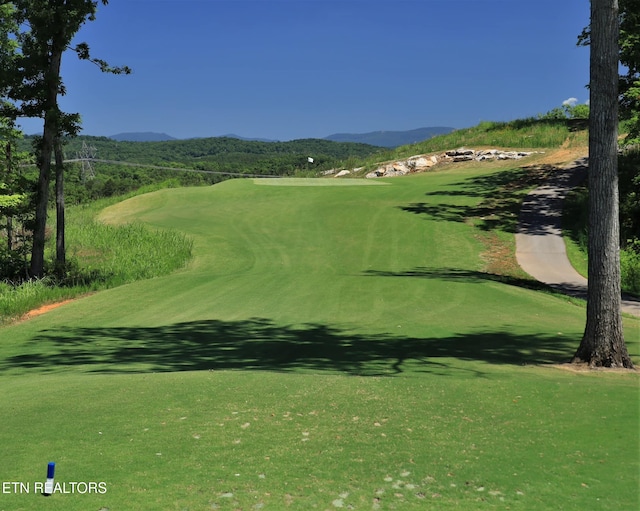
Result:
pixel 540 249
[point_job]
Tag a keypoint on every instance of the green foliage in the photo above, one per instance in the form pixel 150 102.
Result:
pixel 10 202
pixel 629 49
pixel 629 185
pixel 16 204
pixel 219 155
pixel 230 153
pixel 630 58
pixel 575 220
pixel 8 52
pixel 567 111
pixel 578 112
pixel 631 113
pixel 630 267
pixel 30 85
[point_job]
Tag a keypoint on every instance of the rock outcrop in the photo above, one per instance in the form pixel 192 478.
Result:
pixel 420 163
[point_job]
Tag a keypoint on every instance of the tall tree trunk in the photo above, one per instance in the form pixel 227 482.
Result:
pixel 9 233
pixel 9 217
pixel 50 132
pixel 603 341
pixel 61 261
pixel 42 200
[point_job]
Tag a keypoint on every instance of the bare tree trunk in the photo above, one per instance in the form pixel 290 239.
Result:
pixel 61 260
pixel 42 201
pixel 9 217
pixel 603 341
pixel 50 132
pixel 9 233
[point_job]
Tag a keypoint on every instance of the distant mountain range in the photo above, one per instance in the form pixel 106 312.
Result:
pixel 231 135
pixel 391 138
pixel 146 136
pixel 375 138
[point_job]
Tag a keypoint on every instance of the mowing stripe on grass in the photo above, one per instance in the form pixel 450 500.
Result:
pixel 327 347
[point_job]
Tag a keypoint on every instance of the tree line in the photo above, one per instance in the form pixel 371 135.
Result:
pixel 35 35
pixel 214 156
pixel 223 153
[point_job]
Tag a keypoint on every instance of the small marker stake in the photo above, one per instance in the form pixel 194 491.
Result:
pixel 48 485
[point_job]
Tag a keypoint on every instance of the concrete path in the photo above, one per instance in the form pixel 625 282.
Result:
pixel 540 249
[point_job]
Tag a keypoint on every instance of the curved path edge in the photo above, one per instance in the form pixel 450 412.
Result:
pixel 540 248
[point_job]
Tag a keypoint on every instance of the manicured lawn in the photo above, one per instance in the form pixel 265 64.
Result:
pixel 328 347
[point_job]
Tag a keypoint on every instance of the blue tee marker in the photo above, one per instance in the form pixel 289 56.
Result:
pixel 48 486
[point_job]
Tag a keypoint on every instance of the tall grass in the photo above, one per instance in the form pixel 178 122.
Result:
pixel 18 300
pixel 630 268
pixel 114 255
pixel 99 257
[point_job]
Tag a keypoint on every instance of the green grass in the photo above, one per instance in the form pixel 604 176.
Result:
pixel 575 219
pixel 327 347
pixel 99 256
pixel 250 440
pixel 18 300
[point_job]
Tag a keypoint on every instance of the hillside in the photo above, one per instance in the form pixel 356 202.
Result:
pixel 225 153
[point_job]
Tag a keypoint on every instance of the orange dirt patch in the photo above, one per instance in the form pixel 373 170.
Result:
pixel 45 308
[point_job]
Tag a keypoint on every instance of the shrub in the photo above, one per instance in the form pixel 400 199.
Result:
pixel 630 268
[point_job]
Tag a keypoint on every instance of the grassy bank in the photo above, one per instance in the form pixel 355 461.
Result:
pixel 100 257
pixel 519 134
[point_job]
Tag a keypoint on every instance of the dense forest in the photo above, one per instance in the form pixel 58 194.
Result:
pixel 215 156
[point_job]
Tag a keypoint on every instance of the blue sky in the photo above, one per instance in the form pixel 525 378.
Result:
pixel 287 69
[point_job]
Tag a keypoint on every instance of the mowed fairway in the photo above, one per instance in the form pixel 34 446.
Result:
pixel 329 347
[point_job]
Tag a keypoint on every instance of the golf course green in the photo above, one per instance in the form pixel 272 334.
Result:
pixel 331 345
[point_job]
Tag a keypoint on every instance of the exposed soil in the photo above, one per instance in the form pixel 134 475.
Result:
pixel 45 308
pixel 564 155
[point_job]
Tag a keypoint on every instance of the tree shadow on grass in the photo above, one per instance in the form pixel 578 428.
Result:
pixel 500 198
pixel 462 275
pixel 260 344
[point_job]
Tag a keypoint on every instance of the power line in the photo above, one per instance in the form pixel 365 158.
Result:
pixel 149 166
pixel 87 154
